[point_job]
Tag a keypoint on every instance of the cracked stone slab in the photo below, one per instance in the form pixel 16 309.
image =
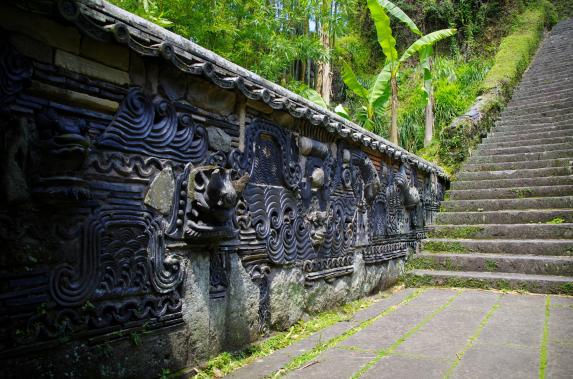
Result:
pixel 272 363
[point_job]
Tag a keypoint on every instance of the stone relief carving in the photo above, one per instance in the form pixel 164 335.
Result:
pixel 111 194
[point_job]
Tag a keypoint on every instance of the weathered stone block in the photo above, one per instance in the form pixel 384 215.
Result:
pixel 196 308
pixel 110 54
pixel 219 140
pixel 32 48
pixel 287 297
pixel 76 98
pixel 172 82
pixel 205 95
pixel 90 68
pixel 137 72
pixel 40 28
pixel 259 106
pixel 242 315
pixel 160 193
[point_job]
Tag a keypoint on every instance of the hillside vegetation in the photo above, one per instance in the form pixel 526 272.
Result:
pixel 303 44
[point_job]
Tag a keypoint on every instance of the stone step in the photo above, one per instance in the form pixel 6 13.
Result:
pixel 541 93
pixel 537 76
pixel 552 284
pixel 533 143
pixel 501 184
pixel 485 149
pixel 500 246
pixel 503 231
pixel 534 97
pixel 501 166
pixel 557 82
pixel 561 102
pixel 526 264
pixel 554 114
pixel 495 192
pixel 502 127
pixel 517 137
pixel 481 157
pixel 543 87
pixel 566 109
pixel 533 124
pixel 506 217
pixel 557 202
pixel 514 174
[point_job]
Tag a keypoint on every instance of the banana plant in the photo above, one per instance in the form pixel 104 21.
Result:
pixel 315 97
pixel 386 84
pixel 426 63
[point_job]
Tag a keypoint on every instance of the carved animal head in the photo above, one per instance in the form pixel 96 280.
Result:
pixel 220 193
pixel 213 199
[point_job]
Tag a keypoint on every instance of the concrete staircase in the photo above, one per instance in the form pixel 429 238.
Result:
pixel 508 219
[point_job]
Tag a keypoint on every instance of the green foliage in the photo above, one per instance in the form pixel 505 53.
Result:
pixel 267 39
pixel 315 97
pixel 456 83
pixel 516 49
pixel 556 221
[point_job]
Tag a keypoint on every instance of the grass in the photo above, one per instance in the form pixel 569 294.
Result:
pixel 464 232
pixel 305 358
pixel 385 352
pixel 544 340
pixel 440 246
pixel 490 265
pixel 516 50
pixel 227 362
pixel 472 339
pixel 556 221
pixel 522 192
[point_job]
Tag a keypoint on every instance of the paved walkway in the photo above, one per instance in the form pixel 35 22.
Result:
pixel 438 333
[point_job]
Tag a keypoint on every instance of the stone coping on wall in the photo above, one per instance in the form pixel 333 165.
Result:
pixel 104 21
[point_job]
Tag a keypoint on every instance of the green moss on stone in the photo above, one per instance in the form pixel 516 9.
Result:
pixel 441 246
pixel 455 232
pixel 490 265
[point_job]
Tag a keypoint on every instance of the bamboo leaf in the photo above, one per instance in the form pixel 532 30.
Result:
pixel 395 11
pixel 427 40
pixel 383 30
pixel 351 81
pixel 315 97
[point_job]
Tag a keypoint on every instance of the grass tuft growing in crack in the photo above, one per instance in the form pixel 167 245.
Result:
pixel 304 358
pixel 544 340
pixel 385 352
pixel 227 362
pixel 472 339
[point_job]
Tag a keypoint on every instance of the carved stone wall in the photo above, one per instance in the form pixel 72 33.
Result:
pixel 160 201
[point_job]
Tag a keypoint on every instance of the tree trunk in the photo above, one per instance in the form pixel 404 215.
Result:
pixel 429 130
pixel 324 75
pixel 394 111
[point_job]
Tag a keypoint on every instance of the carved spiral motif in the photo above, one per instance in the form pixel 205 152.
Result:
pixel 153 127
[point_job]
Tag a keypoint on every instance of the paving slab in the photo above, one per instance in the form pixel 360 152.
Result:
pixel 507 345
pixel 492 362
pixel 447 333
pixel 408 367
pixel 385 331
pixel 272 363
pixel 518 322
pixel 560 341
pixel 364 345
pixel 335 363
